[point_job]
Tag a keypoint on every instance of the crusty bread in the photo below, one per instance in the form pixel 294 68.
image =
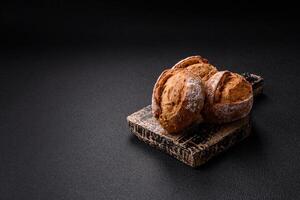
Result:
pixel 198 66
pixel 180 92
pixel 177 99
pixel 229 97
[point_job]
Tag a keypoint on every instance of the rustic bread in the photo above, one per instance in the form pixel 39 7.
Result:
pixel 198 66
pixel 177 99
pixel 229 97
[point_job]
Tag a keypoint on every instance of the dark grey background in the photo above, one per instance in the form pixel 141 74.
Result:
pixel 71 74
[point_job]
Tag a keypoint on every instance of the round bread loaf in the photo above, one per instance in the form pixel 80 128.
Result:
pixel 198 66
pixel 229 97
pixel 177 99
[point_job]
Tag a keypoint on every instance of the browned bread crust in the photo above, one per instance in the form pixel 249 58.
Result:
pixel 177 99
pixel 229 97
pixel 198 66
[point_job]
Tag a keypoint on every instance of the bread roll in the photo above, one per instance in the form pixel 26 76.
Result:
pixel 198 66
pixel 229 97
pixel 177 99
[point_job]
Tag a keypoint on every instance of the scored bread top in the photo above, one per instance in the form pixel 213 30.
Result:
pixel 229 97
pixel 177 100
pixel 198 66
pixel 193 88
pixel 234 88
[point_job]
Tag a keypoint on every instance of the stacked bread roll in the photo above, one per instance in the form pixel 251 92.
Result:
pixel 194 91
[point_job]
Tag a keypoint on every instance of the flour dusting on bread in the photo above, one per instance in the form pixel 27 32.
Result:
pixel 180 93
pixel 195 94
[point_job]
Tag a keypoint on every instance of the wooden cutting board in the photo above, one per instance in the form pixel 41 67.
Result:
pixel 197 144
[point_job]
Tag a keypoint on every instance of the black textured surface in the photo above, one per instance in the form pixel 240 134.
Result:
pixel 69 79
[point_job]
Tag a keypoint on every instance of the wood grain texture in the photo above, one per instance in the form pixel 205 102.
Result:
pixel 197 144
